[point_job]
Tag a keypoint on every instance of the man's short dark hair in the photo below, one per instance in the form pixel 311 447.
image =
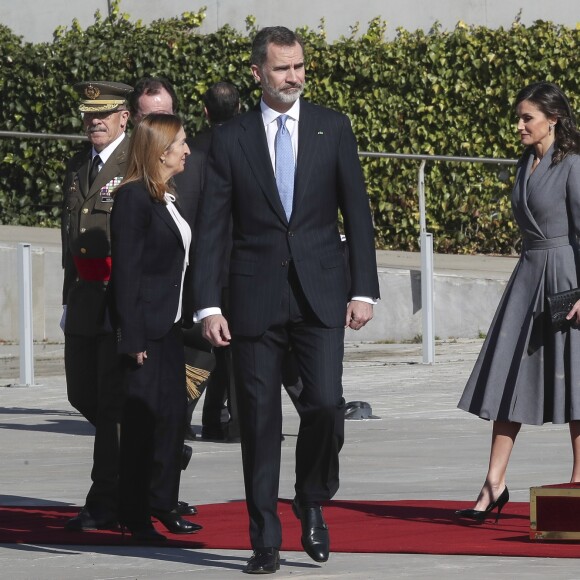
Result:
pixel 279 35
pixel 222 101
pixel 150 86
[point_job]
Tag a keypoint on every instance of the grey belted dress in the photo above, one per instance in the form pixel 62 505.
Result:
pixel 527 372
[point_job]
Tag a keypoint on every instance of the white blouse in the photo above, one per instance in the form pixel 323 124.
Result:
pixel 185 232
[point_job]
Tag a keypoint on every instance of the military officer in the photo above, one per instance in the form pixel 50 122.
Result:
pixel 93 368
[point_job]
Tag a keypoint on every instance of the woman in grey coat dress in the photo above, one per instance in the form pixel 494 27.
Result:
pixel 528 372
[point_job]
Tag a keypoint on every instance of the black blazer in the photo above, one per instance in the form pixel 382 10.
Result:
pixel 189 184
pixel 202 140
pixel 147 256
pixel 240 182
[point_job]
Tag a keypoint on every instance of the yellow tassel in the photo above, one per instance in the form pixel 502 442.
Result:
pixel 194 377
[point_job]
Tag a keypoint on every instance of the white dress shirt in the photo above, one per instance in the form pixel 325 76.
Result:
pixel 107 151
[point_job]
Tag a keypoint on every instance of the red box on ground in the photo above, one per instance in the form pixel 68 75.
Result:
pixel 555 512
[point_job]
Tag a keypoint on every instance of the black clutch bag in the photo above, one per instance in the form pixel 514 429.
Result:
pixel 560 304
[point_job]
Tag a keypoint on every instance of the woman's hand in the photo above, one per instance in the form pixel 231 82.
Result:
pixel 141 356
pixel 574 315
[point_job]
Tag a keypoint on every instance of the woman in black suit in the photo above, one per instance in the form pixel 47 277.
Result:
pixel 150 249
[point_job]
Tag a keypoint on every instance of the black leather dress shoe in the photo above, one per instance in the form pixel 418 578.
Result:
pixel 190 434
pixel 263 561
pixel 144 534
pixel 232 433
pixel 184 509
pixel 314 538
pixel 212 434
pixel 85 521
pixel 185 457
pixel 175 523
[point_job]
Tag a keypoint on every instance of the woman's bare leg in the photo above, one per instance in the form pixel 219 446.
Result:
pixel 575 437
pixel 503 437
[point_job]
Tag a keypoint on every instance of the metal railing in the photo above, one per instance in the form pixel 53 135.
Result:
pixel 27 135
pixel 426 238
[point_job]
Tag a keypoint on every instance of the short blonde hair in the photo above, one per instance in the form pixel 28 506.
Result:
pixel 152 137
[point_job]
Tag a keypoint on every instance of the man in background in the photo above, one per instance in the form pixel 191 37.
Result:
pixel 221 103
pixel 157 95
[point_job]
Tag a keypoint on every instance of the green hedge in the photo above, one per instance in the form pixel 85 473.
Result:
pixel 445 93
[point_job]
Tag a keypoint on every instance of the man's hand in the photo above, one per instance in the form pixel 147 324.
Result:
pixel 139 357
pixel 215 329
pixel 358 313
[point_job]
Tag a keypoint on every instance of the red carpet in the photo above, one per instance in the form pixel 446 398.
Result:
pixel 404 527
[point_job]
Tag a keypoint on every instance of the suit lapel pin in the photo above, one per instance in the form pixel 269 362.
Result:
pixel 320 132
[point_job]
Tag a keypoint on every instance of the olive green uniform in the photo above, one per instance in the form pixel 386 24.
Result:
pixel 94 370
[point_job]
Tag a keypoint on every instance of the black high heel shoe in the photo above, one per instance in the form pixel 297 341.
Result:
pixel 481 515
pixel 174 523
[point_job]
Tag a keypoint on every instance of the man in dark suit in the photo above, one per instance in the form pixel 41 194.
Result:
pixel 221 102
pixel 282 172
pixel 156 95
pixel 93 368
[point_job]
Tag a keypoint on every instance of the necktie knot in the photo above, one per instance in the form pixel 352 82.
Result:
pixel 284 165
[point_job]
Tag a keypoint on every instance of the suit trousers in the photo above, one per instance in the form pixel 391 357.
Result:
pixel 258 362
pixel 220 388
pixel 152 429
pixel 94 377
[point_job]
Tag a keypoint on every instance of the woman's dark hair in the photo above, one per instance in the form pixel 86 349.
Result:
pixel 550 99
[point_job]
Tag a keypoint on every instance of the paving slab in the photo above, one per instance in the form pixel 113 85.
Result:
pixel 422 447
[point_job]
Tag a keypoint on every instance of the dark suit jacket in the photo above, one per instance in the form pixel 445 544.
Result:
pixel 202 141
pixel 188 187
pixel 240 182
pixel 148 257
pixel 189 184
pixel 85 234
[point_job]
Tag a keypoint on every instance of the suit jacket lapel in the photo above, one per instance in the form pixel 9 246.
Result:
pixel 534 181
pixel 307 139
pixel 255 147
pixel 525 190
pixel 161 210
pixel 84 176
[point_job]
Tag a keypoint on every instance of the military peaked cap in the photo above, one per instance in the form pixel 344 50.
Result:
pixel 102 96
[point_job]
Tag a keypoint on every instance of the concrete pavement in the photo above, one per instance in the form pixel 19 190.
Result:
pixel 421 448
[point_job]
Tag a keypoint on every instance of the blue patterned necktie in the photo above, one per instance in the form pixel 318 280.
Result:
pixel 284 165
